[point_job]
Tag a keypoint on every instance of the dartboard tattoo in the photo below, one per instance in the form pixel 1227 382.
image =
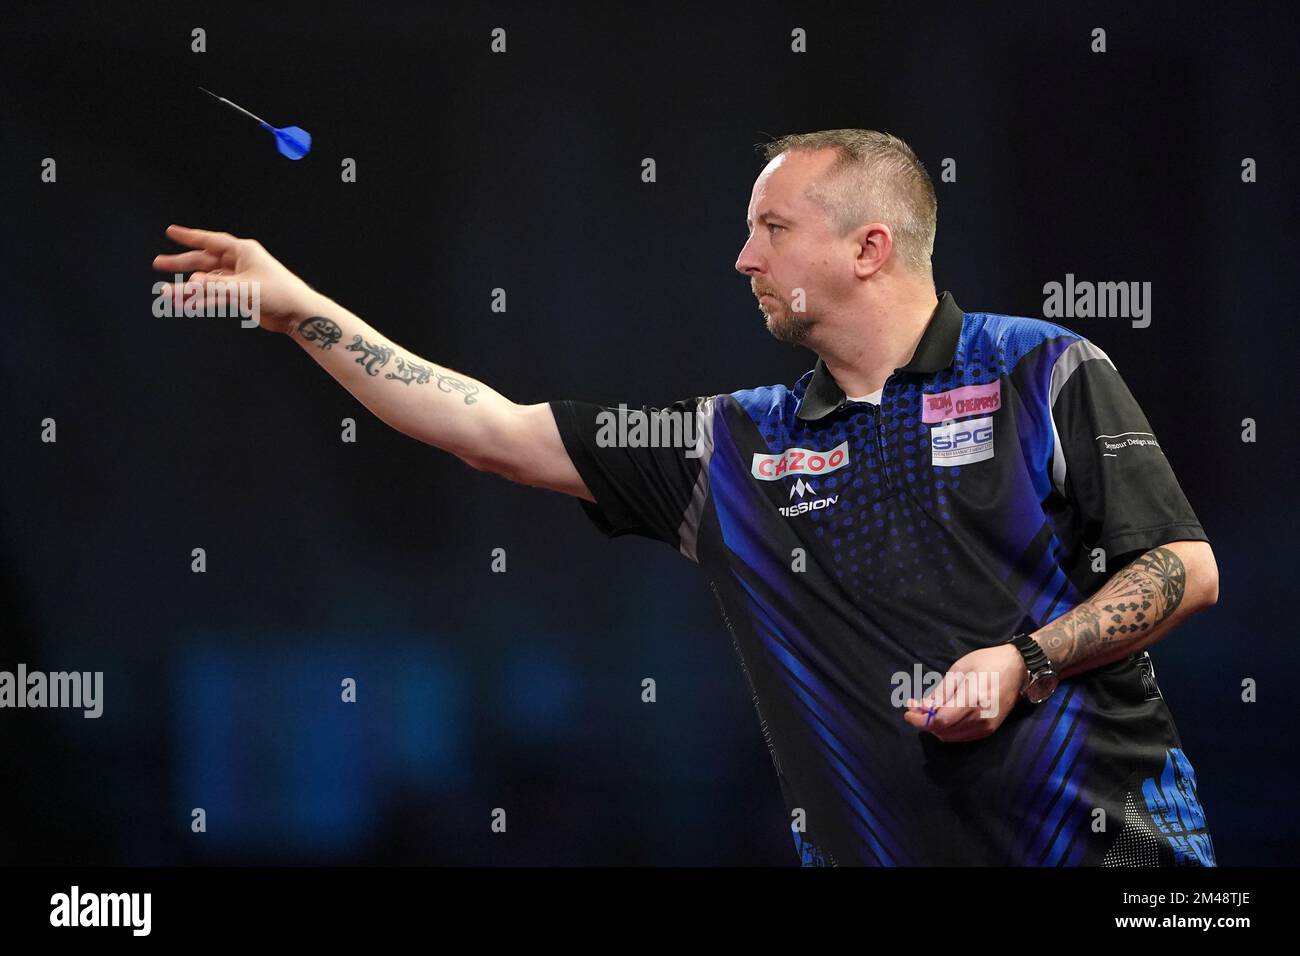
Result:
pixel 1130 604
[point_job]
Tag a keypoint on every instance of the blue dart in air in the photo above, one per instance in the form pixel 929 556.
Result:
pixel 291 141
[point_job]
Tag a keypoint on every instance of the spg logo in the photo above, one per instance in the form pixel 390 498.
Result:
pixel 962 442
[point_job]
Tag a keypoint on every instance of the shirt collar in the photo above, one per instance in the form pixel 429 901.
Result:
pixel 935 351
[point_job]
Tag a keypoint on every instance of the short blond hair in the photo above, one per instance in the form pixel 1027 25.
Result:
pixel 877 178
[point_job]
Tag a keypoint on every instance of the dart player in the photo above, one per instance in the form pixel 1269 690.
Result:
pixel 967 495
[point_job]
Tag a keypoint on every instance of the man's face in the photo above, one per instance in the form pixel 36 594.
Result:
pixel 791 245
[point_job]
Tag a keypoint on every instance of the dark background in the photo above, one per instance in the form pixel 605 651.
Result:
pixel 371 560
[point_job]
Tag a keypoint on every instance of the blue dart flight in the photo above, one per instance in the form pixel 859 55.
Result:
pixel 292 141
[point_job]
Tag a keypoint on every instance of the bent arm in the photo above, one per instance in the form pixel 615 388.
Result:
pixel 437 405
pixel 1142 603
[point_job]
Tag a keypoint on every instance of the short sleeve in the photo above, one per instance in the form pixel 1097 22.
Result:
pixel 1108 461
pixel 645 465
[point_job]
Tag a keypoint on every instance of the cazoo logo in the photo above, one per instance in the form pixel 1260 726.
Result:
pixel 799 461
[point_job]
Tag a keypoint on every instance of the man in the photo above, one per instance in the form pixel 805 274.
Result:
pixel 965 496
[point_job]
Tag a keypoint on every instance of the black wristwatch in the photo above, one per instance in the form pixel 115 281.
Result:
pixel 1042 679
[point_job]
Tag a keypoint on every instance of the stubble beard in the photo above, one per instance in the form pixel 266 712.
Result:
pixel 784 325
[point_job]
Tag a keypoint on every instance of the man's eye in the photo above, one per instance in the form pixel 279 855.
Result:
pixel 772 225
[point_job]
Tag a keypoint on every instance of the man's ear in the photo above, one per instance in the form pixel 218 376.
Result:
pixel 875 244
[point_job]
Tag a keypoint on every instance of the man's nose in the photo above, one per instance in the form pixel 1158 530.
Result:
pixel 747 262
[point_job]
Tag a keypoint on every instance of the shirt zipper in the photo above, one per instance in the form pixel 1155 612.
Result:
pixel 880 432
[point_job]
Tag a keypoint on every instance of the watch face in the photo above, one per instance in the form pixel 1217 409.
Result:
pixel 1041 688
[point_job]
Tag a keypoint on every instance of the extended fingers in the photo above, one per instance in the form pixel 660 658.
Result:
pixel 186 261
pixel 217 242
pixel 200 286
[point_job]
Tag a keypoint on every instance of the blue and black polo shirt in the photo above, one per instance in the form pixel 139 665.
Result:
pixel 848 543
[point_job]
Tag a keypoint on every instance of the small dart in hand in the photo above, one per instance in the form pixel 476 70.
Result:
pixel 292 141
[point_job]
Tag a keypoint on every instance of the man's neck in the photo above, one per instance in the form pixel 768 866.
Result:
pixel 864 352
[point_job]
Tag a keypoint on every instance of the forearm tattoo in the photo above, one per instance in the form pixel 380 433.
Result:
pixel 326 333
pixel 414 373
pixel 374 358
pixel 1129 605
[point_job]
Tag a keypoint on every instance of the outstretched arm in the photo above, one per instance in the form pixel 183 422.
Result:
pixel 431 403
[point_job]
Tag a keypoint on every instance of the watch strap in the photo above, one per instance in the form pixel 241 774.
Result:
pixel 1036 661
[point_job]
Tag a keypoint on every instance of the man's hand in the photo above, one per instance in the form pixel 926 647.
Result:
pixel 974 697
pixel 218 257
